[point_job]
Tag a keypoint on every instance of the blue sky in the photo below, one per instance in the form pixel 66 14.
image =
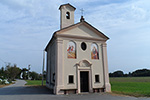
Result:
pixel 26 26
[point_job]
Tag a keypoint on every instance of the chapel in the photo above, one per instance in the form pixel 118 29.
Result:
pixel 76 57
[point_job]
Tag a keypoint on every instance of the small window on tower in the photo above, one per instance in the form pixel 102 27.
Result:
pixel 67 15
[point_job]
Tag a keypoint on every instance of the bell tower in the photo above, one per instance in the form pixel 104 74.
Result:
pixel 66 15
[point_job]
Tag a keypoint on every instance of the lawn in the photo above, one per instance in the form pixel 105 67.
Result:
pixel 35 82
pixel 134 86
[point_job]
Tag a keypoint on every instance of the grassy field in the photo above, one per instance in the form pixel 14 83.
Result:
pixel 134 86
pixel 35 82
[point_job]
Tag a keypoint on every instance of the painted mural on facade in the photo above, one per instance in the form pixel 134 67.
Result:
pixel 71 50
pixel 94 51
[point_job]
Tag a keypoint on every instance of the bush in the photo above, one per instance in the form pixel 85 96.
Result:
pixel 2 82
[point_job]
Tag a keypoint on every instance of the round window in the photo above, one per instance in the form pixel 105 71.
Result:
pixel 83 46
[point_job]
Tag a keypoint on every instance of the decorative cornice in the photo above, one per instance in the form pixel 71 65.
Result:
pixel 67 5
pixel 104 44
pixel 80 37
pixel 58 40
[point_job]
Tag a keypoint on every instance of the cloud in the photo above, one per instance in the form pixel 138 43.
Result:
pixel 27 26
pixel 17 4
pixel 127 25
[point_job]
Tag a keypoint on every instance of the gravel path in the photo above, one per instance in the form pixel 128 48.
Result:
pixel 18 83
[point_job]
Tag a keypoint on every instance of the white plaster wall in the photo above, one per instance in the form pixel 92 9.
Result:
pixel 51 63
pixel 82 31
pixel 70 68
pixel 68 65
pixel 64 22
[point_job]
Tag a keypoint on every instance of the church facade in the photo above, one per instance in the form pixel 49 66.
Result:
pixel 77 57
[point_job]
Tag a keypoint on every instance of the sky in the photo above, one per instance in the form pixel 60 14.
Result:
pixel 26 26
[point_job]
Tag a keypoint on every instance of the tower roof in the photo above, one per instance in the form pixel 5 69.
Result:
pixel 67 5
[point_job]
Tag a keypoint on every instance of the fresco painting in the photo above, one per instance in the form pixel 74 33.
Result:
pixel 71 50
pixel 94 51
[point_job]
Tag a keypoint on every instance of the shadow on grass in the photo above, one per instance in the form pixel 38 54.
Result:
pixel 25 90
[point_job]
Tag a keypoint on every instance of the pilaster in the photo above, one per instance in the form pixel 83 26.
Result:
pixel 105 67
pixel 59 66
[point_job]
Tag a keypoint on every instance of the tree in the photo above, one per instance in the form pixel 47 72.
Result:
pixel 12 72
pixel 117 74
pixel 2 73
pixel 24 73
pixel 141 72
pixel 34 75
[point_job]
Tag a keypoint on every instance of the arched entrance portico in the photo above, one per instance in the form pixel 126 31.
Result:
pixel 84 76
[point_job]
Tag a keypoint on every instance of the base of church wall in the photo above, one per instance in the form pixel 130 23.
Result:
pixel 50 86
pixel 97 90
pixel 57 90
pixel 107 87
pixel 75 91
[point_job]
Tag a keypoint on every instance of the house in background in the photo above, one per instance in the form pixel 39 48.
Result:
pixel 77 57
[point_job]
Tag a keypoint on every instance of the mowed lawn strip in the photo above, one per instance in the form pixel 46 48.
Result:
pixel 35 82
pixel 134 86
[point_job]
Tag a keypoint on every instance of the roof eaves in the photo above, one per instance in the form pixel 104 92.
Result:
pixel 69 5
pixel 68 27
pixel 96 29
pixel 50 41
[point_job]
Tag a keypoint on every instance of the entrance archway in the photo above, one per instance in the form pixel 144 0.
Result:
pixel 84 76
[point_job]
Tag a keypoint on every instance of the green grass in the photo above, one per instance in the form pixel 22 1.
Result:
pixel 134 86
pixel 35 82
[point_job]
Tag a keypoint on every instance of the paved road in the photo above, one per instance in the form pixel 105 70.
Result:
pixel 20 92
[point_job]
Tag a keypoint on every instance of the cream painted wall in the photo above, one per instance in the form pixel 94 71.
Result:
pixel 62 66
pixel 82 31
pixel 68 65
pixel 51 60
pixel 70 68
pixel 64 22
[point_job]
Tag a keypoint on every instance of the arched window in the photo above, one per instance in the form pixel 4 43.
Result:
pixel 67 15
pixel 71 50
pixel 94 51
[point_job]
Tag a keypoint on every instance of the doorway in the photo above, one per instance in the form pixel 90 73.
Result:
pixel 84 81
